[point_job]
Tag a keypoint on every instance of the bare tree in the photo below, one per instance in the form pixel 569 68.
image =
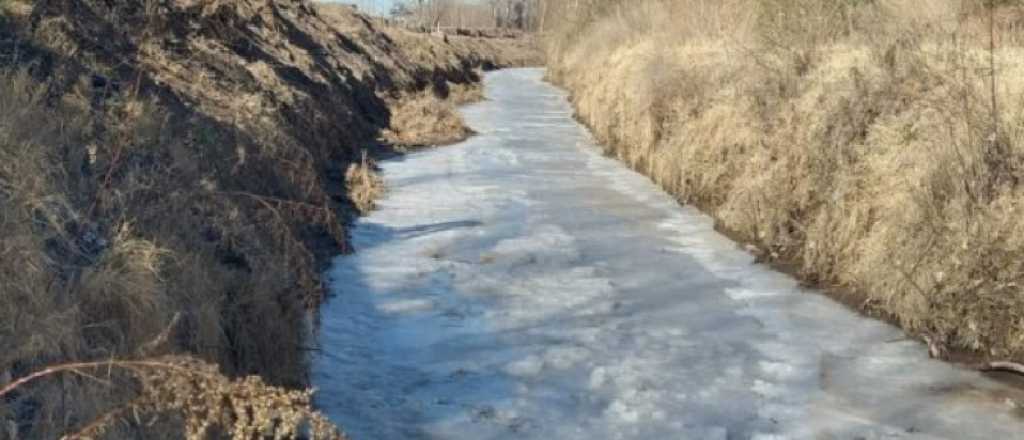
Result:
pixel 509 14
pixel 401 11
pixel 436 11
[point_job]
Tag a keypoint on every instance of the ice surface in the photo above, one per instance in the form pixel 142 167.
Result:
pixel 520 285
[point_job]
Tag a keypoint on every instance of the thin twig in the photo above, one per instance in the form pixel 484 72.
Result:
pixel 268 199
pixel 992 63
pixel 161 338
pixel 91 429
pixel 73 367
pixel 1011 367
pixel 90 377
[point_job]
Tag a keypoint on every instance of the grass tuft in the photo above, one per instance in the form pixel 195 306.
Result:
pixel 426 119
pixel 364 185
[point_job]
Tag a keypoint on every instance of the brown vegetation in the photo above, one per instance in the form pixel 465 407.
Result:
pixel 364 185
pixel 180 168
pixel 196 393
pixel 423 118
pixel 877 144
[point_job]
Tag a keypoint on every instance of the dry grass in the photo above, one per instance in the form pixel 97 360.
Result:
pixel 84 278
pixel 462 94
pixel 364 185
pixel 15 8
pixel 865 141
pixel 426 119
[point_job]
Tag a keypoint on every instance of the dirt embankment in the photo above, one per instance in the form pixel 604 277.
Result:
pixel 173 174
pixel 866 144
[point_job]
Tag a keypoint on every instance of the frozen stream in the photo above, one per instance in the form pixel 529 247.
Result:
pixel 521 286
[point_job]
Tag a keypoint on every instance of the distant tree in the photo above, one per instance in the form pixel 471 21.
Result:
pixel 433 14
pixel 401 11
pixel 437 10
pixel 518 15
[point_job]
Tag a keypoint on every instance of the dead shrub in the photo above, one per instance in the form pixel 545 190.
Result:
pixel 207 402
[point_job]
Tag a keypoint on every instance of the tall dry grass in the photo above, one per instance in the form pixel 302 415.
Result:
pixel 97 259
pixel 875 144
pixel 364 185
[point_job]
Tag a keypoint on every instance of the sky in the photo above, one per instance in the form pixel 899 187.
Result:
pixel 372 6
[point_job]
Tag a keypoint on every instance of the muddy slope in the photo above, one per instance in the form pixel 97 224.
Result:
pixel 178 169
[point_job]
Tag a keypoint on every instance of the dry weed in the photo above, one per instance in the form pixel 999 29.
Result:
pixel 205 400
pixel 364 185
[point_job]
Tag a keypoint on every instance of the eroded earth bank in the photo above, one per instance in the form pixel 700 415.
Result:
pixel 173 177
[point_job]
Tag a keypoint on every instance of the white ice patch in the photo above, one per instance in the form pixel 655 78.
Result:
pixel 747 294
pixel 529 366
pixel 549 245
pixel 405 306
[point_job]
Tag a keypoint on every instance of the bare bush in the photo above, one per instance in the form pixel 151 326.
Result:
pixel 195 392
